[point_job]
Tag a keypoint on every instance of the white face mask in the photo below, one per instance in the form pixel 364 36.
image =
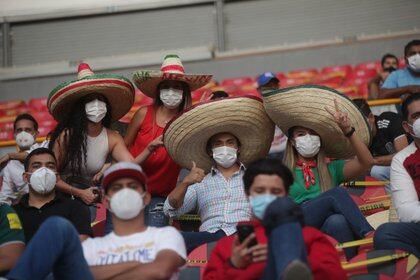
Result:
pixel 225 156
pixel 24 140
pixel 43 180
pixel 416 128
pixel 95 110
pixel 171 97
pixel 308 145
pixel 414 62
pixel 126 204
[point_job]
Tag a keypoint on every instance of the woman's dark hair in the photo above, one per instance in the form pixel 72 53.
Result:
pixel 410 99
pixel 186 96
pixel 38 151
pixel 28 117
pixel 74 128
pixel 267 166
pixel 363 106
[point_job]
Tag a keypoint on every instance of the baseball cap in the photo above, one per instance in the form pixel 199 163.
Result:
pixel 264 78
pixel 123 170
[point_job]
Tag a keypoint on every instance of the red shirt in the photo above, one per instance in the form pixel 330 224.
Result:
pixel 322 256
pixel 161 171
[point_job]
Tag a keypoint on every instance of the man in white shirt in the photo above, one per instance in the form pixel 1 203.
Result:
pixel 130 251
pixel 14 187
pixel 405 188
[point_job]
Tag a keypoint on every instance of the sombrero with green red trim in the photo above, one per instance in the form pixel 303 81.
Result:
pixel 147 81
pixel 118 90
pixel 306 106
pixel 185 137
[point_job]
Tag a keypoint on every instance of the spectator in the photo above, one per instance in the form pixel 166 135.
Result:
pixel 43 201
pixel 268 82
pixel 218 95
pixel 25 131
pixel 133 250
pixel 12 241
pixel 221 143
pixel 264 181
pixel 389 63
pixel 407 80
pixel 171 90
pixel 388 138
pixel 82 140
pixel 316 130
pixel 405 188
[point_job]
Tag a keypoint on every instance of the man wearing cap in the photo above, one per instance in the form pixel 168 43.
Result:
pixel 131 250
pixel 268 81
pixel 221 144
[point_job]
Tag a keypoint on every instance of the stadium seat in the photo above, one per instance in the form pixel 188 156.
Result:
pixel 368 65
pixel 6 126
pixel 38 104
pixel 350 91
pixel 6 135
pixel 401 62
pixel 302 73
pixel 289 82
pixel 345 70
pixel 12 104
pixel 280 75
pixel 238 81
pixel 364 73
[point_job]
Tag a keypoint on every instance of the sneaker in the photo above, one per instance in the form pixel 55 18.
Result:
pixel 297 270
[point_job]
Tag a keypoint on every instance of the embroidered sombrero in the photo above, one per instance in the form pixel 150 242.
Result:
pixel 305 106
pixel 186 135
pixel 118 90
pixel 172 69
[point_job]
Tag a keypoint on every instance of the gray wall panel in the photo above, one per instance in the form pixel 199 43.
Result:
pixel 235 67
pixel 79 38
pixel 271 22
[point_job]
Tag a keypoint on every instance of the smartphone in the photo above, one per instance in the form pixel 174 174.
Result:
pixel 245 230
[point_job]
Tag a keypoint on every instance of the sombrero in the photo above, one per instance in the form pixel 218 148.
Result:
pixel 118 90
pixel 172 69
pixel 186 135
pixel 305 106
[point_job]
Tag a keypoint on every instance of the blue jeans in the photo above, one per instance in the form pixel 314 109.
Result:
pixel 153 215
pixel 381 173
pixel 285 244
pixel 404 236
pixel 335 201
pixel 54 248
pixel 337 227
pixel 195 239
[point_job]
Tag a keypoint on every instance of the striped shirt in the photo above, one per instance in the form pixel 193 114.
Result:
pixel 221 203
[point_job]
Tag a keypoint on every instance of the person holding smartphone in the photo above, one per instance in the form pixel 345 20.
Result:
pixel 274 244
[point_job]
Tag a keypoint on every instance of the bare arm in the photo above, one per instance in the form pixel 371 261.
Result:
pixel 104 272
pixel 119 150
pixel 167 262
pixel 400 143
pixel 397 92
pixel 374 87
pixel 134 126
pixel 9 255
pixel 156 143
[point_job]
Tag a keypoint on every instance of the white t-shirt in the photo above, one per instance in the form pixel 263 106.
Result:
pixel 142 247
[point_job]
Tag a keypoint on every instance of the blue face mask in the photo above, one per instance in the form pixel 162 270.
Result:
pixel 259 203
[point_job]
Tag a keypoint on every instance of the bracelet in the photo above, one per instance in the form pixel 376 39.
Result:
pixel 350 133
pixel 71 192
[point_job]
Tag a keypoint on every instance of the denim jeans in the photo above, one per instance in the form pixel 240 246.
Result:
pixel 195 239
pixel 153 215
pixel 285 244
pixel 337 227
pixel 54 248
pixel 335 201
pixel 381 173
pixel 404 236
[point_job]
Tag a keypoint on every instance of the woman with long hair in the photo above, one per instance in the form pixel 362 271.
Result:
pixel 171 90
pixel 82 140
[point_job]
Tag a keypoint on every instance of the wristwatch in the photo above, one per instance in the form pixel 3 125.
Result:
pixel 350 133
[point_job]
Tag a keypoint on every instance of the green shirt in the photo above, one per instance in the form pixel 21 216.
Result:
pixel 298 191
pixel 10 226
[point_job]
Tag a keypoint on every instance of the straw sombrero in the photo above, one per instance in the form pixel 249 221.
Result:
pixel 305 106
pixel 147 81
pixel 186 136
pixel 118 90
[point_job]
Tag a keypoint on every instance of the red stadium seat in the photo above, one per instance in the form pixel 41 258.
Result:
pixel 355 81
pixel 302 73
pixel 401 62
pixel 364 73
pixel 288 82
pixel 38 104
pixel 237 81
pixel 369 65
pixel 13 112
pixel 345 70
pixel 280 75
pixel 6 126
pixel 6 135
pixel 12 104
pixel 350 91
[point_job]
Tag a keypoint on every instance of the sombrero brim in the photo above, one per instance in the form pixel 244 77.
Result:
pixel 186 136
pixel 118 90
pixel 147 81
pixel 305 106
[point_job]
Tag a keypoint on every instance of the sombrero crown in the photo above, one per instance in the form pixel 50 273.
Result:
pixel 118 90
pixel 306 106
pixel 147 81
pixel 187 135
